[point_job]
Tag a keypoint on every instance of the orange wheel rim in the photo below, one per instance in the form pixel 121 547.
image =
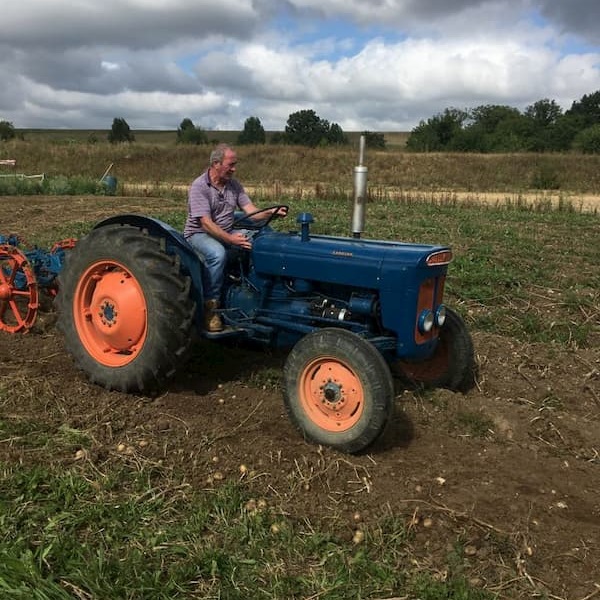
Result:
pixel 19 298
pixel 110 314
pixel 331 394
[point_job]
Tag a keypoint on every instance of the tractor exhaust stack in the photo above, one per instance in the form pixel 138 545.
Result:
pixel 360 192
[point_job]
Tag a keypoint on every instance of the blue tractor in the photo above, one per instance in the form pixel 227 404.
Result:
pixel 353 313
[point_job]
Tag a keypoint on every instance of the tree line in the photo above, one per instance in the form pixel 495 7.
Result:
pixel 541 127
pixel 304 128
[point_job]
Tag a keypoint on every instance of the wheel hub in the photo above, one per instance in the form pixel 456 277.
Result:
pixel 5 291
pixel 117 293
pixel 332 394
pixel 108 313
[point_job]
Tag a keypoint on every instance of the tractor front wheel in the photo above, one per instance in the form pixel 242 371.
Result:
pixel 452 365
pixel 125 309
pixel 339 390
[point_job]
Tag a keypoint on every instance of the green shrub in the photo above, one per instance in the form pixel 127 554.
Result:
pixel 7 131
pixel 545 177
pixel 188 133
pixel 588 140
pixel 51 186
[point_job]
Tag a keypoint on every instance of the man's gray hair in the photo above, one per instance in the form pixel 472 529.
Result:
pixel 218 154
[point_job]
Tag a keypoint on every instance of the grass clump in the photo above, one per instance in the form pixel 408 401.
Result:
pixel 474 424
pixel 59 185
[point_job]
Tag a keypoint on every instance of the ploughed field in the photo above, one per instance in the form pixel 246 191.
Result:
pixel 510 471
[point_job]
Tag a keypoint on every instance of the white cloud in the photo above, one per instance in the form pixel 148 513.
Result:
pixel 377 65
pixel 110 66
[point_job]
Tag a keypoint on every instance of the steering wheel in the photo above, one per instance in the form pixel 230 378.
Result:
pixel 249 223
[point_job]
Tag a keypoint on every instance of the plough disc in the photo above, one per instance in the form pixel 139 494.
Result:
pixel 19 301
pixel 66 244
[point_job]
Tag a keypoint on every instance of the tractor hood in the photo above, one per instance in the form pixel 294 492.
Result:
pixel 342 260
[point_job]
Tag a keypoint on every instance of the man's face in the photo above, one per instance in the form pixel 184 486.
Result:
pixel 226 169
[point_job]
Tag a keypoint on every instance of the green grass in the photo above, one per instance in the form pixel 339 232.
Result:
pixel 136 534
pixel 59 185
pixel 130 528
pixel 474 424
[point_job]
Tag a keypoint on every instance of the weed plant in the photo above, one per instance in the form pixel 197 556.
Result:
pixel 59 185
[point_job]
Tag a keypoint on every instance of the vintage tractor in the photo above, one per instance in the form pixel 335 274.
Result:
pixel 351 311
pixel 23 274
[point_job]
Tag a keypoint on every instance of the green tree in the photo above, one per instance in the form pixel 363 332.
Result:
pixel 306 128
pixel 564 131
pixel 511 135
pixel 542 127
pixel 544 112
pixel 542 118
pixel 492 128
pixel 489 116
pixel 423 137
pixel 588 140
pixel 277 138
pixel 437 133
pixel 7 131
pixel 336 136
pixel 374 140
pixel 120 132
pixel 587 110
pixel 188 133
pixel 470 139
pixel 253 132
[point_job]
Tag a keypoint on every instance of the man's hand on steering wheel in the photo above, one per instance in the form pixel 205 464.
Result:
pixel 280 211
pixel 270 212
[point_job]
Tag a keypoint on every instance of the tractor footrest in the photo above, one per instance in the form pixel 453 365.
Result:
pixel 227 332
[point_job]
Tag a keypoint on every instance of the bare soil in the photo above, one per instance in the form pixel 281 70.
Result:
pixel 508 473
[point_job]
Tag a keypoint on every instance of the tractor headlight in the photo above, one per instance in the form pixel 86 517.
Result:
pixel 426 319
pixel 440 315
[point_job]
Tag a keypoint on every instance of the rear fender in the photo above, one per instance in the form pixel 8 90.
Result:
pixel 175 243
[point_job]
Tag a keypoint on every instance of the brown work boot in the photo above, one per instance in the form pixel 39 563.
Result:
pixel 212 320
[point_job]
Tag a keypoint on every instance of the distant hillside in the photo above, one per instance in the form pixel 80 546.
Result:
pixel 394 139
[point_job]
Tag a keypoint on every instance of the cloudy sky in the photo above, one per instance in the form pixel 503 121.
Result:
pixel 377 65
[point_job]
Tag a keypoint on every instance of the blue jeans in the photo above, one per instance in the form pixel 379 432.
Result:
pixel 215 259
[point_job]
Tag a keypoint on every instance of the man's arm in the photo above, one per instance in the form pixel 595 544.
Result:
pixel 250 208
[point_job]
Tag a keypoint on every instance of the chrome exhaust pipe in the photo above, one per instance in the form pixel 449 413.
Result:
pixel 360 192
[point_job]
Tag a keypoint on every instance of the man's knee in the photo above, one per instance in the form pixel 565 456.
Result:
pixel 217 256
pixel 210 249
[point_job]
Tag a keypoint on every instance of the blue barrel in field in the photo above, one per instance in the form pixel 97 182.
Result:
pixel 110 184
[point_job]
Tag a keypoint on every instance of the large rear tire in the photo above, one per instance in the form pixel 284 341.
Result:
pixel 338 390
pixel 125 309
pixel 452 365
